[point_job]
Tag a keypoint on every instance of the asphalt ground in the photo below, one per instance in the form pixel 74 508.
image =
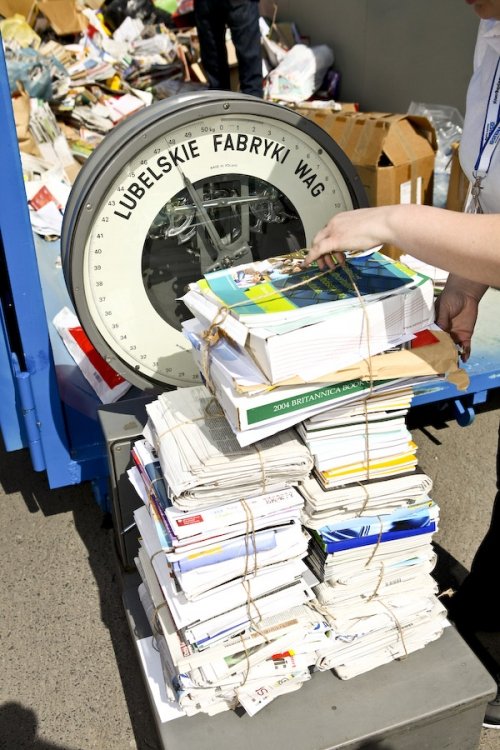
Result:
pixel 69 674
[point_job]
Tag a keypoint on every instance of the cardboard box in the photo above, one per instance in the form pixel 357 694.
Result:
pixel 458 184
pixel 9 8
pixel 393 154
pixel 63 16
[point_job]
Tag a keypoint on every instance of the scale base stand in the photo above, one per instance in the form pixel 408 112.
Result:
pixel 435 698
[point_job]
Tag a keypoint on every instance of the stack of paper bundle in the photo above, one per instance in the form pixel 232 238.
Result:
pixel 280 311
pixel 221 557
pixel 368 439
pixel 290 346
pixel 238 615
pixel 371 523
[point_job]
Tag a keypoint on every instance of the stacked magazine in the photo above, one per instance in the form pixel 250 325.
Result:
pixel 371 520
pixel 285 525
pixel 347 313
pixel 254 576
pixel 368 439
pixel 298 322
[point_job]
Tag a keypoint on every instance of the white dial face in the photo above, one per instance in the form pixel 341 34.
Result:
pixel 221 190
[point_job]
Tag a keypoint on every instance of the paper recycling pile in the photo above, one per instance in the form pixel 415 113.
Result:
pixel 308 545
pixel 76 68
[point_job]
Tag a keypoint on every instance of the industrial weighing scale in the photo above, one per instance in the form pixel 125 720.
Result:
pixel 264 178
pixel 186 186
pixel 190 185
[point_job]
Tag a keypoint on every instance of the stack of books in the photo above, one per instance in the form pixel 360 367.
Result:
pixel 293 345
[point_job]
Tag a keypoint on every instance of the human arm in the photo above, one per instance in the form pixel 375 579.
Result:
pixel 467 245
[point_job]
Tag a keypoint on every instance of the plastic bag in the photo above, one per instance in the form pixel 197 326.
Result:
pixel 448 124
pixel 108 384
pixel 299 74
pixel 33 71
pixel 15 29
pixel 115 12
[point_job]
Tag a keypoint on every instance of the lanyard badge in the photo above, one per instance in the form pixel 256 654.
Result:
pixel 489 140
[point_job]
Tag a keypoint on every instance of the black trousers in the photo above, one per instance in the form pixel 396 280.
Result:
pixel 242 17
pixel 475 605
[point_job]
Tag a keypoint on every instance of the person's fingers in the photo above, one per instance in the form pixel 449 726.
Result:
pixel 463 343
pixel 443 319
pixel 325 257
pixel 464 350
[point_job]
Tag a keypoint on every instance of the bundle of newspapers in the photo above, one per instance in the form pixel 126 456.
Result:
pixel 267 576
pixel 276 343
pixel 224 582
pixel 286 527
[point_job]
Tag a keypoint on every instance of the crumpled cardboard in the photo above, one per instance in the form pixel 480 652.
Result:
pixel 21 110
pixel 63 16
pixel 9 8
pixel 430 360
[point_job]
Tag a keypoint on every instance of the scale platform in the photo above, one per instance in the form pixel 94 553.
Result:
pixel 435 698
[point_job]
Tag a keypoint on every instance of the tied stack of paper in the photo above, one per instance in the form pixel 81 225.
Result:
pixel 294 345
pixel 281 312
pixel 367 440
pixel 371 521
pixel 201 460
pixel 221 558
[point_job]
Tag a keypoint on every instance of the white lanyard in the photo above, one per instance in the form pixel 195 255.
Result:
pixel 489 138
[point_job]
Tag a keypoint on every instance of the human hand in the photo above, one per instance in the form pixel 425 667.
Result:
pixel 456 313
pixel 349 231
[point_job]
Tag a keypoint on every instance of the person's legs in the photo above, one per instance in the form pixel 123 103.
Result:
pixel 474 607
pixel 210 19
pixel 243 20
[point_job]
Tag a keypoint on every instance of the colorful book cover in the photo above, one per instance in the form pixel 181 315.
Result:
pixel 282 285
pixel 226 550
pixel 362 531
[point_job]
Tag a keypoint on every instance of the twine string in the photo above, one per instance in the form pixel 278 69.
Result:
pixel 399 627
pixel 251 542
pixel 376 545
pixel 381 574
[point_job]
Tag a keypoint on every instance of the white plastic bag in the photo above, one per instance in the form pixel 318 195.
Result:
pixel 107 384
pixel 299 74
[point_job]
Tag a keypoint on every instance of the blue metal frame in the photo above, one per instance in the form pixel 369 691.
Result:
pixel 32 413
pixel 10 419
pixel 483 368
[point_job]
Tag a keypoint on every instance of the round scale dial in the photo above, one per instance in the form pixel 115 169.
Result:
pixel 190 185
